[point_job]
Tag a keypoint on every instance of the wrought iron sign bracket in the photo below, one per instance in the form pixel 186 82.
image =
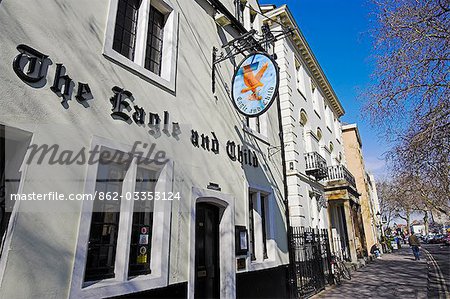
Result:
pixel 245 43
pixel 272 150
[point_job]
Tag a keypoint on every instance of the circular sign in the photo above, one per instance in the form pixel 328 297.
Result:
pixel 255 84
pixel 143 250
pixel 144 230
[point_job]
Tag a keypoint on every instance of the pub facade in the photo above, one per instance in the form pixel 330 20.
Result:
pixel 126 169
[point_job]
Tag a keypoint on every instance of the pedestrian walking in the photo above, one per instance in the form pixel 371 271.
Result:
pixel 415 246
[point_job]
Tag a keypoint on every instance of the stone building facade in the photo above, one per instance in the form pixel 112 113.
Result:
pixel 116 78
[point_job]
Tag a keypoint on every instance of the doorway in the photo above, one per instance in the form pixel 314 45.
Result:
pixel 207 266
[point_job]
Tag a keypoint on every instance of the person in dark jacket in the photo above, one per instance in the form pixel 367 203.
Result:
pixel 375 251
pixel 415 246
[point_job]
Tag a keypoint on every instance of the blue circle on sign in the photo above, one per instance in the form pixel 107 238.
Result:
pixel 255 84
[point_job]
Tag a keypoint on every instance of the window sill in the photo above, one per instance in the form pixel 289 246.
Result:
pixel 301 93
pixel 260 265
pixel 326 149
pixel 317 113
pixel 113 287
pixel 139 70
pixel 313 135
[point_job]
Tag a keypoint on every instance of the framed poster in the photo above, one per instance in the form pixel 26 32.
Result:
pixel 241 240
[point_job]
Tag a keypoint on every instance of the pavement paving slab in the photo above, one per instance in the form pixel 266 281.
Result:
pixel 396 275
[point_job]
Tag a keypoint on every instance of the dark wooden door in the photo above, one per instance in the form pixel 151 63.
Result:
pixel 207 273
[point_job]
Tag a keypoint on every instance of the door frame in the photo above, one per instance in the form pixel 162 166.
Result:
pixel 226 240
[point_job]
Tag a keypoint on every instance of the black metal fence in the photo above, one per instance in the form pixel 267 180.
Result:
pixel 312 258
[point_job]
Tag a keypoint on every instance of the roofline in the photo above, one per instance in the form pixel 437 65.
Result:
pixel 309 57
pixel 353 127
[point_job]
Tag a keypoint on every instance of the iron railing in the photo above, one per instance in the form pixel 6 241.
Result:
pixel 340 172
pixel 312 258
pixel 316 165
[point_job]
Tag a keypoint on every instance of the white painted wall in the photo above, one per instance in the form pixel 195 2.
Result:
pixel 42 249
pixel 296 94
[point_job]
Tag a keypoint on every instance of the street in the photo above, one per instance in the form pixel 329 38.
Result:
pixel 398 275
pixel 438 258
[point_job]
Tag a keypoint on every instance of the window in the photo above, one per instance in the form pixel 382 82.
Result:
pixel 13 147
pixel 239 10
pixel 300 77
pixel 101 254
pixel 126 28
pixel 142 225
pixel 153 52
pixel 303 117
pixel 319 134
pixel 331 146
pixel 327 116
pixel 142 35
pixel 257 124
pixel 253 15
pixel 313 86
pixel 4 214
pixel 258 224
pixel 253 123
pixel 104 229
pixel 337 127
pixel 251 229
pixel 121 245
pixel 249 15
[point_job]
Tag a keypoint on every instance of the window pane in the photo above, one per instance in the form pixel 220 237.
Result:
pixel 125 28
pixel 4 215
pixel 258 126
pixel 142 228
pixel 101 254
pixel 154 41
pixel 12 151
pixel 251 199
pixel 263 224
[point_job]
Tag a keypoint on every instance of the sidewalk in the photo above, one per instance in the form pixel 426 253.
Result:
pixel 396 275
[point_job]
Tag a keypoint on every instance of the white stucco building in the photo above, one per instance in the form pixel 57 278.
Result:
pixel 121 76
pixel 311 112
pixel 375 205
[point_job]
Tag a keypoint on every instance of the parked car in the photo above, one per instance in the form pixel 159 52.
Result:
pixel 447 240
pixel 428 238
pixel 437 239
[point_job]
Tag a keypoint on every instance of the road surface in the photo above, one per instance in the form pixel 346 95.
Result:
pixel 438 260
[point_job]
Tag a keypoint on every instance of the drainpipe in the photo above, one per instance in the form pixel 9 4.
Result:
pixel 291 270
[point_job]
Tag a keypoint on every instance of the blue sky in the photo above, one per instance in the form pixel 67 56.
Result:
pixel 338 33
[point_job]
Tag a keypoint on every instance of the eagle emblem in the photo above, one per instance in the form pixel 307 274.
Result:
pixel 253 81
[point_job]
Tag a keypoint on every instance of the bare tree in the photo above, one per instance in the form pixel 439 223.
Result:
pixel 410 97
pixel 386 197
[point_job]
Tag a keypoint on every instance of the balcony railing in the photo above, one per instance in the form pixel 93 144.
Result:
pixel 316 165
pixel 339 172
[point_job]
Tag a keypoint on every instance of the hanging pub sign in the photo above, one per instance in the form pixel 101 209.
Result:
pixel 255 84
